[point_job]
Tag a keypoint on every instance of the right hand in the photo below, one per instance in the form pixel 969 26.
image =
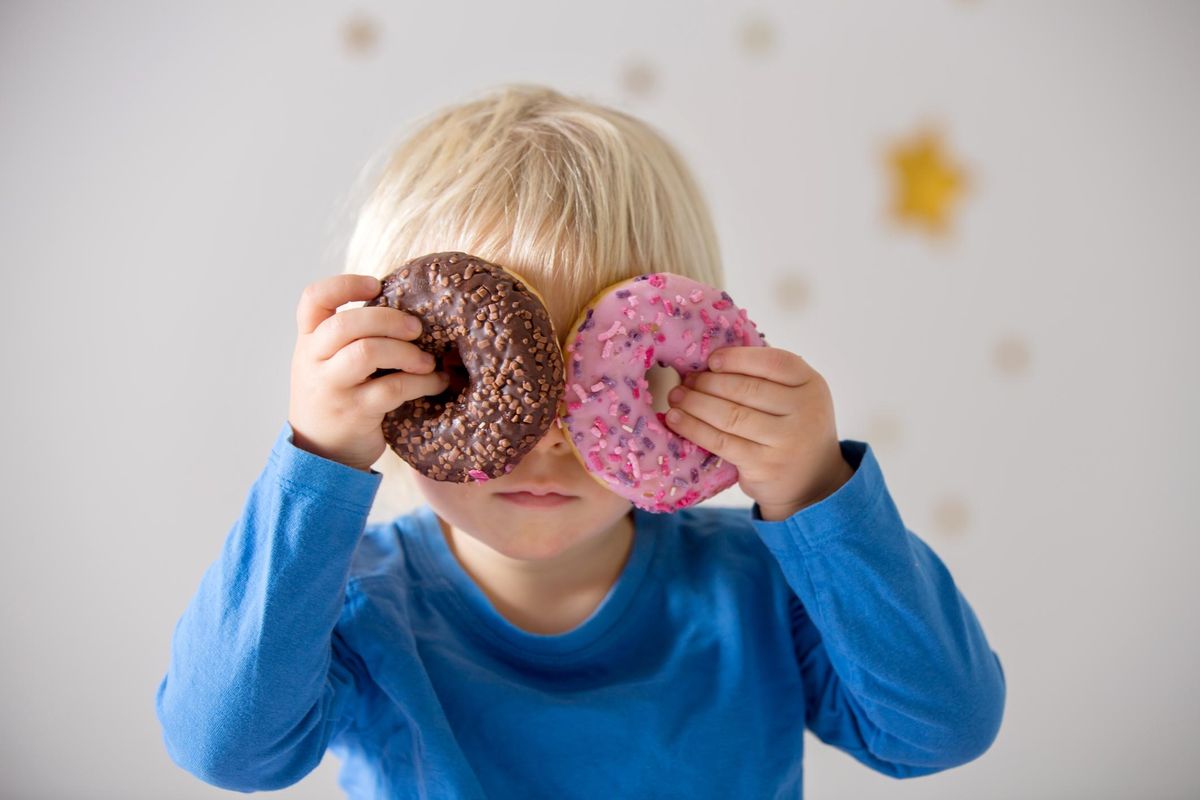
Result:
pixel 336 409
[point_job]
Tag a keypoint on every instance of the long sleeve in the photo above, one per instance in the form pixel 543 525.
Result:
pixel 257 683
pixel 896 668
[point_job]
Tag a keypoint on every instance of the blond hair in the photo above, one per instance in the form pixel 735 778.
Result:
pixel 570 194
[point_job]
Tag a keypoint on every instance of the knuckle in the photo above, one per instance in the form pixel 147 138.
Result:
pixel 777 360
pixel 310 293
pixel 748 388
pixel 337 325
pixel 735 416
pixel 375 395
pixel 361 351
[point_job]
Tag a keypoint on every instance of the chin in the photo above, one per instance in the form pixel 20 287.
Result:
pixel 532 542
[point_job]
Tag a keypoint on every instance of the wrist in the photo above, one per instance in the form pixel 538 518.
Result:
pixel 775 512
pixel 302 442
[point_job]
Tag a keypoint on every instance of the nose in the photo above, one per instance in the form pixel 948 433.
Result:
pixel 555 439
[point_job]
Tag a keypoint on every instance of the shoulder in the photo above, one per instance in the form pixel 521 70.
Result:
pixel 386 549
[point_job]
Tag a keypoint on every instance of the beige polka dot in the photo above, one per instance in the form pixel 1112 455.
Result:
pixel 360 34
pixel 950 516
pixel 792 292
pixel 884 429
pixel 639 78
pixel 757 35
pixel 1011 355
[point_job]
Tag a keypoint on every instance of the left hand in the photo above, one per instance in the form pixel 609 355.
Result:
pixel 770 414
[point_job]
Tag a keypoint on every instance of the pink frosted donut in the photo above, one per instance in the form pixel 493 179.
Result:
pixel 662 319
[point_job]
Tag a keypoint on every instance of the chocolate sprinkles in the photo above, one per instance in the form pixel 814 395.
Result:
pixel 487 319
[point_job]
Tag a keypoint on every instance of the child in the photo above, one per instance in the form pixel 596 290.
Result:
pixel 493 644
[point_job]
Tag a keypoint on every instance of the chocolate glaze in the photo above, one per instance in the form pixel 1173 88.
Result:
pixel 487 318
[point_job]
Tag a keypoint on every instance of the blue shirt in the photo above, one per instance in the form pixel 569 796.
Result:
pixel 722 639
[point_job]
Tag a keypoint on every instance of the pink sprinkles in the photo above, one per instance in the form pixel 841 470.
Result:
pixel 691 320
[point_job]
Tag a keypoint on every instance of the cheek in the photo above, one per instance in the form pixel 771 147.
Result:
pixel 441 495
pixel 600 499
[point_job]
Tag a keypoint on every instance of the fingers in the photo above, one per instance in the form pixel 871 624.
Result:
pixel 724 415
pixel 770 363
pixel 320 300
pixel 763 395
pixel 380 395
pixel 343 328
pixel 358 360
pixel 733 449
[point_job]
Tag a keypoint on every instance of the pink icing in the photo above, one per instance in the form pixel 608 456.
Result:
pixel 663 319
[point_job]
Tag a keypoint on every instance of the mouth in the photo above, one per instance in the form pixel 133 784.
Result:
pixel 535 499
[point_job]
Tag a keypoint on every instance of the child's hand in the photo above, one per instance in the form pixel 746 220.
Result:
pixel 334 410
pixel 770 414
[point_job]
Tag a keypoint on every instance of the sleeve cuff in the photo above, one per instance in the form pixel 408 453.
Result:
pixel 322 476
pixel 855 500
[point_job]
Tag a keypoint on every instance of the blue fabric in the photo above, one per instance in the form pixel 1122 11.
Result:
pixel 724 636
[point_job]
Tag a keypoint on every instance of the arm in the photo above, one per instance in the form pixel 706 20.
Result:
pixel 258 683
pixel 896 668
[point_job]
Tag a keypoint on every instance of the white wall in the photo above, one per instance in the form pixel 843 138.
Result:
pixel 170 180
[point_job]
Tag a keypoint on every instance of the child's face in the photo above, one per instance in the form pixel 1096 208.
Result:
pixel 522 530
pixel 500 513
pixel 496 514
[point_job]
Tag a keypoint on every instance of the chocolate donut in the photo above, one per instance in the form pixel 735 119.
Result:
pixel 492 333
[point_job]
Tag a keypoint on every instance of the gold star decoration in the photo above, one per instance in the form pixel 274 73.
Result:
pixel 927 185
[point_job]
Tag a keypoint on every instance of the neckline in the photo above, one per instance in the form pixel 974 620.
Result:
pixel 478 609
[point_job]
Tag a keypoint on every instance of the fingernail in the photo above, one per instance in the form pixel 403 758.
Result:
pixel 714 362
pixel 413 325
pixel 675 395
pixel 674 415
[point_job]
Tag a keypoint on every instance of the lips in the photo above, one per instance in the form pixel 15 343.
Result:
pixel 540 491
pixel 536 498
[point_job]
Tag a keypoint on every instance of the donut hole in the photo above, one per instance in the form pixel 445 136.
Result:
pixel 662 380
pixel 451 363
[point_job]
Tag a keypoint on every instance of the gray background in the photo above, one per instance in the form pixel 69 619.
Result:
pixel 171 179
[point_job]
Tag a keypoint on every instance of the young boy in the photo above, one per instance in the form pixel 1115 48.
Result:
pixel 493 645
